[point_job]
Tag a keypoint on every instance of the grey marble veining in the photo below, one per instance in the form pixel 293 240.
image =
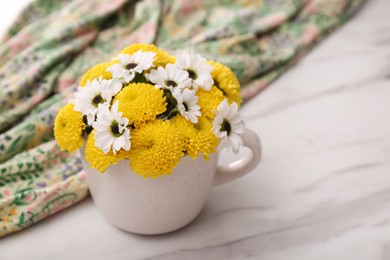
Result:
pixel 321 192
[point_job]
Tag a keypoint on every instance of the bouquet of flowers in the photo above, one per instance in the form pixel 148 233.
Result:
pixel 152 109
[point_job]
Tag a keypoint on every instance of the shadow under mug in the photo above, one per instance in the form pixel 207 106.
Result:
pixel 161 205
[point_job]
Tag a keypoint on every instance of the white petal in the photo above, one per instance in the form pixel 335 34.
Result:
pixel 158 77
pixel 90 119
pixel 232 112
pixel 144 60
pixel 99 127
pixel 125 59
pixel 235 142
pixel 114 68
pixel 170 70
pixel 127 145
pixel 118 143
pixel 114 108
pixel 116 86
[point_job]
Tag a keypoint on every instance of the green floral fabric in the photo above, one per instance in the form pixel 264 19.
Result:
pixel 52 43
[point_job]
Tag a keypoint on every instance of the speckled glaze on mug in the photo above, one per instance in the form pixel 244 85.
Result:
pixel 161 205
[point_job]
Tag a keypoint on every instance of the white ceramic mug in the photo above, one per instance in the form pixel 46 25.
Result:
pixel 161 205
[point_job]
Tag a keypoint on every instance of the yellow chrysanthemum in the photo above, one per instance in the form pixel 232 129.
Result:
pixel 227 82
pixel 209 101
pixel 161 59
pixel 156 148
pixel 171 59
pixel 198 138
pixel 97 71
pixel 68 128
pixel 140 102
pixel 96 157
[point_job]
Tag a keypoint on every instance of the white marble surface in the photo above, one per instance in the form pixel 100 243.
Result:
pixel 322 190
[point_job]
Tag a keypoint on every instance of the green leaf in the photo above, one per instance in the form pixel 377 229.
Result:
pixel 21 220
pixel 14 144
pixel 20 166
pixel 139 78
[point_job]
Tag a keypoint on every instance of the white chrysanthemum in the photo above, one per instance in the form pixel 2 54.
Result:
pixel 187 103
pixel 198 70
pixel 111 130
pixel 170 77
pixel 228 126
pixel 99 91
pixel 131 64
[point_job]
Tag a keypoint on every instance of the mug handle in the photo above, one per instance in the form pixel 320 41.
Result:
pixel 244 165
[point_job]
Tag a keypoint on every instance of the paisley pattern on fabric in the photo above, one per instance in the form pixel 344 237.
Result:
pixel 52 43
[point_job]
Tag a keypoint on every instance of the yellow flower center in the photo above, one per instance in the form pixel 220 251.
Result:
pixel 218 87
pixel 156 148
pixel 96 157
pixel 96 71
pixel 69 128
pixel 149 144
pixel 226 81
pixel 197 138
pixel 161 58
pixel 140 102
